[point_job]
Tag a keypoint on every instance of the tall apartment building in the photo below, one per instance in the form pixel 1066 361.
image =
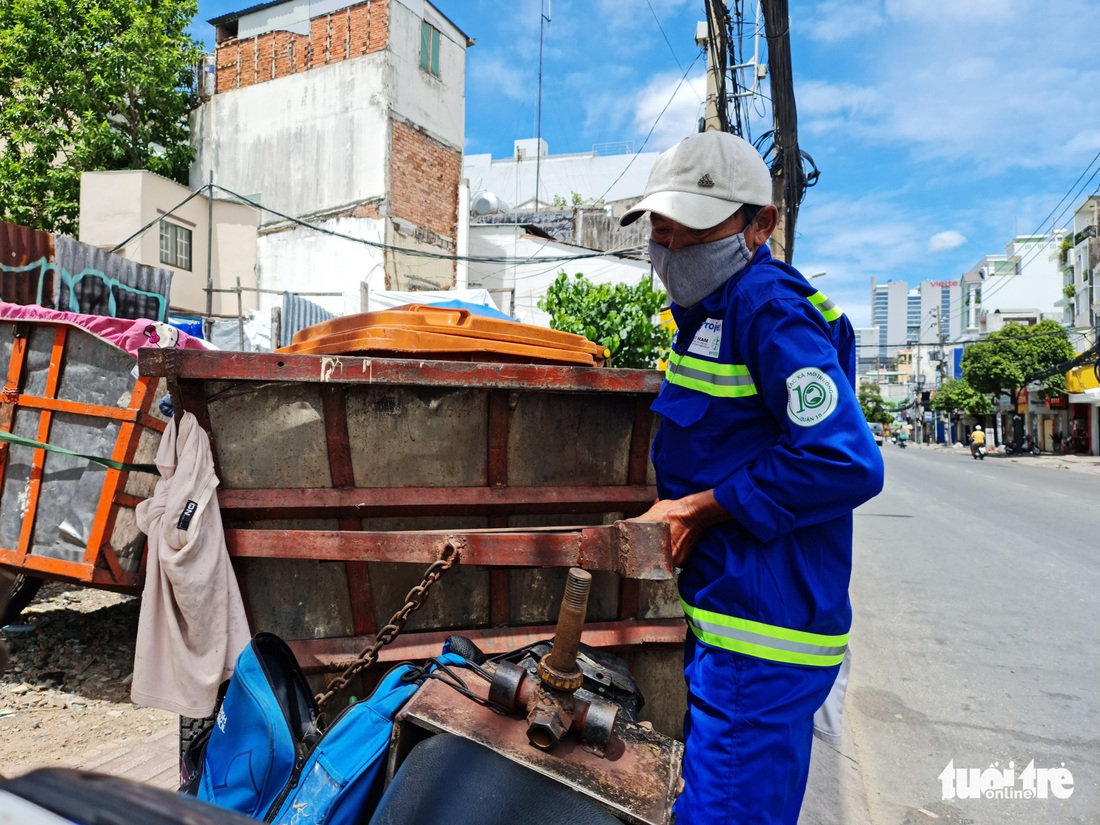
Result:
pixel 346 115
pixel 912 319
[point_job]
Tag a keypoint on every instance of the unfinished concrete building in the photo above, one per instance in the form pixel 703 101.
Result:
pixel 346 116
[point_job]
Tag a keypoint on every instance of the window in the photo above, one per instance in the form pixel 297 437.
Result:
pixel 429 48
pixel 175 245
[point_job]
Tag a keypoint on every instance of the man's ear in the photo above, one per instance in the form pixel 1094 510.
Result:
pixel 758 232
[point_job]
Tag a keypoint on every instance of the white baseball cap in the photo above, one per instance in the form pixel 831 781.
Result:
pixel 703 180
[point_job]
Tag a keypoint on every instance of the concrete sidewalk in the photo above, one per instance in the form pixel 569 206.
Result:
pixel 1074 463
pixel 153 760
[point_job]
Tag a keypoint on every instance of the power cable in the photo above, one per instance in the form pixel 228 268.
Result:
pixel 1069 199
pixel 159 218
pixel 1076 331
pixel 651 128
pixel 1089 166
pixel 418 253
pixel 422 253
pixel 667 43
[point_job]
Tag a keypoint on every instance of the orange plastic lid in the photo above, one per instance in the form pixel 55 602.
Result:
pixel 447 334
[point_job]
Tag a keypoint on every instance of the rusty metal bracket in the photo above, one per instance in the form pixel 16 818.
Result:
pixel 637 781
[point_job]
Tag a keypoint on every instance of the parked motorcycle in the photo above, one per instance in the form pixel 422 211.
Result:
pixel 1026 446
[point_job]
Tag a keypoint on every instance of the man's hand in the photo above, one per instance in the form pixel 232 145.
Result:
pixel 687 518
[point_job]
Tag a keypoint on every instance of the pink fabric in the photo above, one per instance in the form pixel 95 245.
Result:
pixel 125 333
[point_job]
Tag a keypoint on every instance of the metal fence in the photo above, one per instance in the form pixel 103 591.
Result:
pixel 59 272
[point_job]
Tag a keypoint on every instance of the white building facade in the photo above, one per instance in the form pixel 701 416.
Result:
pixel 608 173
pixel 517 282
pixel 208 261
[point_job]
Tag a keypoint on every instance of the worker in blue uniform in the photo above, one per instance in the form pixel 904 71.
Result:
pixel 761 455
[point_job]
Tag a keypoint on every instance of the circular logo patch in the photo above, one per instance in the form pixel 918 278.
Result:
pixel 811 397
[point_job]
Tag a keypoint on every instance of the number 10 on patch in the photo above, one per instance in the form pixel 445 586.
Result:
pixel 811 397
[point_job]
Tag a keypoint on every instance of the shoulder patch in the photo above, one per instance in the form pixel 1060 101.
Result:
pixel 811 397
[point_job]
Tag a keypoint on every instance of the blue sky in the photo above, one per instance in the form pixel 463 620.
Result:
pixel 941 127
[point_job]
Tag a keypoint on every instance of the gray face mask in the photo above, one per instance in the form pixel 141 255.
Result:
pixel 691 273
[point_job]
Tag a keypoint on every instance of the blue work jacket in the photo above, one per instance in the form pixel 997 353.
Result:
pixel 759 405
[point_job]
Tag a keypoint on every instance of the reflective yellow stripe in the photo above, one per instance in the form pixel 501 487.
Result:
pixel 723 380
pixel 826 307
pixel 765 641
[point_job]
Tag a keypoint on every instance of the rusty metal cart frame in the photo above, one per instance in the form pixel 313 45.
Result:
pixel 636 552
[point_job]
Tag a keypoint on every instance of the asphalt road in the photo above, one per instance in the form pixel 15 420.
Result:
pixel 976 591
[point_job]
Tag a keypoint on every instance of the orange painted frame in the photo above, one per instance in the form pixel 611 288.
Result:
pixel 100 565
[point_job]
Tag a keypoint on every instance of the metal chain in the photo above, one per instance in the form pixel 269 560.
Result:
pixel 413 600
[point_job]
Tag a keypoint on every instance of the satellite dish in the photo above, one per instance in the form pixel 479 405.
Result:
pixel 485 203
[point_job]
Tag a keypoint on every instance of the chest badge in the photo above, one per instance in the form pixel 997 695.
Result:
pixel 708 340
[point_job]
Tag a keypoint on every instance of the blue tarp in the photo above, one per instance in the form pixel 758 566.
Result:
pixel 192 326
pixel 475 309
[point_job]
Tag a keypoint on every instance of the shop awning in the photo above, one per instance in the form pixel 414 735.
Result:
pixel 1081 379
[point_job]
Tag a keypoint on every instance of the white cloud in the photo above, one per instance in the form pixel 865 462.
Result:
pixel 856 238
pixel 971 11
pixel 993 83
pixel 618 14
pixel 835 20
pixel 946 240
pixel 497 75
pixel 681 117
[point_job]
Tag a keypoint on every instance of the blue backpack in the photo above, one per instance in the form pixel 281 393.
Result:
pixel 266 756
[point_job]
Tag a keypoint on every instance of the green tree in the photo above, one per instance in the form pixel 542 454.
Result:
pixel 1011 358
pixel 956 395
pixel 619 316
pixel 870 399
pixel 89 85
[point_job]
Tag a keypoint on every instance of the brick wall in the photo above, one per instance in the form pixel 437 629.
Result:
pixel 424 177
pixel 351 32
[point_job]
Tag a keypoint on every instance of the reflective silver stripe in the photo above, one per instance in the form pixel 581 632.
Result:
pixel 765 641
pixel 709 377
pixel 827 308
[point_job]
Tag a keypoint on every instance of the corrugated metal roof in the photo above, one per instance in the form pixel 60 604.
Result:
pixel 237 15
pixel 299 313
pixel 26 265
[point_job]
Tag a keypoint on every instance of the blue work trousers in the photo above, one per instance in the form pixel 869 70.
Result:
pixel 748 731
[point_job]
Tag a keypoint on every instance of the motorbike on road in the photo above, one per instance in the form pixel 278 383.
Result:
pixel 978 452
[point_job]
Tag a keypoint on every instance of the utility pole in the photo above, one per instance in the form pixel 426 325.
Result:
pixel 941 371
pixel 917 379
pixel 787 178
pixel 210 245
pixel 544 17
pixel 713 40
